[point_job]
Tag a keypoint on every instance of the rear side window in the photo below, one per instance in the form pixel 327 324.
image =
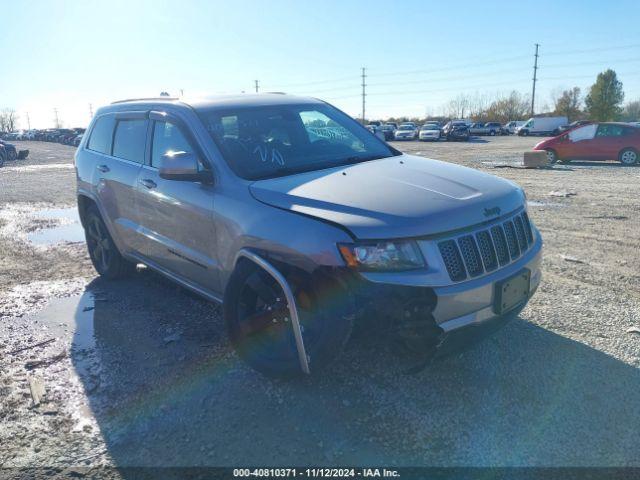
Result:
pixel 129 140
pixel 100 139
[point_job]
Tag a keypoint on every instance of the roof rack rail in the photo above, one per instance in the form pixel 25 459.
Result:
pixel 144 99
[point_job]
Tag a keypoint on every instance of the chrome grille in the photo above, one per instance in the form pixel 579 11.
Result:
pixel 527 227
pixel 487 252
pixel 452 260
pixel 470 255
pixel 475 253
pixel 500 242
pixel 520 235
pixel 512 243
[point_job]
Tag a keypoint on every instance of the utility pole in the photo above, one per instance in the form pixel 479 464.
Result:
pixel 57 120
pixel 257 85
pixel 535 76
pixel 363 92
pixel 28 122
pixel 90 111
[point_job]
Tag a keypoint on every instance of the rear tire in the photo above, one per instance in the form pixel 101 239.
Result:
pixel 104 254
pixel 628 157
pixel 270 348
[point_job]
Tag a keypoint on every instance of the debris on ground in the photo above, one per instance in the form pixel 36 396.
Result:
pixel 29 347
pixel 561 193
pixel 569 258
pixel 30 365
pixel 609 217
pixel 36 387
pixel 633 330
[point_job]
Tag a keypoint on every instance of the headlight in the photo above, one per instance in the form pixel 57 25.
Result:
pixel 394 255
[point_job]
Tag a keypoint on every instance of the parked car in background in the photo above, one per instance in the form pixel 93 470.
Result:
pixel 595 141
pixel 456 130
pixel 405 131
pixel 10 150
pixel 13 136
pixel 3 155
pixel 388 129
pixel 77 140
pixel 311 232
pixel 429 131
pixel 376 130
pixel 509 128
pixel 572 125
pixel 541 126
pixel 489 128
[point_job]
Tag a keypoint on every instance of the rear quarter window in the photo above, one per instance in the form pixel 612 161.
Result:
pixel 101 135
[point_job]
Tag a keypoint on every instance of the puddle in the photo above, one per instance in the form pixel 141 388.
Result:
pixel 72 320
pixel 69 231
pixel 38 168
pixel 535 203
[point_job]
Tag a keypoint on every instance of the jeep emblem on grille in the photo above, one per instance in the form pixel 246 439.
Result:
pixel 488 212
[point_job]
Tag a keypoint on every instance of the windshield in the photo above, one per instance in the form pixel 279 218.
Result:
pixel 405 127
pixel 430 127
pixel 273 141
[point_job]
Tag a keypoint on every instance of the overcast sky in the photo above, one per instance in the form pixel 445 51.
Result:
pixel 418 54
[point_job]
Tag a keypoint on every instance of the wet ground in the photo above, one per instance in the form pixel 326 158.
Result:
pixel 140 372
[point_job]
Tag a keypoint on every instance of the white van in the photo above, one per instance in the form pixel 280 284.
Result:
pixel 542 126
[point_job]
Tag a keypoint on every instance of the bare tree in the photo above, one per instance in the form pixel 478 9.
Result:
pixel 512 107
pixel 631 112
pixel 459 106
pixel 8 120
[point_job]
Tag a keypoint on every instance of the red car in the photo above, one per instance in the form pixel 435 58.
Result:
pixel 596 141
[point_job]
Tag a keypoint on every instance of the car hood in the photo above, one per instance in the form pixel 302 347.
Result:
pixel 402 196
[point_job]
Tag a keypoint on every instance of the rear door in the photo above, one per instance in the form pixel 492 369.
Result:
pixel 609 140
pixel 176 217
pixel 117 145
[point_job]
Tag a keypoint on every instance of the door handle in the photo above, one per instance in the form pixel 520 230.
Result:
pixel 148 183
pixel 103 168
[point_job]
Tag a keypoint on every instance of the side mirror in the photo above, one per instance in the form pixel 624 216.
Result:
pixel 182 166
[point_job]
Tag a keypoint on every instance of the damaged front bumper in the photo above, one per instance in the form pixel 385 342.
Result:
pixel 467 309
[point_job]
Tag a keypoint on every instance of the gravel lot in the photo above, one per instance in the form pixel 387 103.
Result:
pixel 141 372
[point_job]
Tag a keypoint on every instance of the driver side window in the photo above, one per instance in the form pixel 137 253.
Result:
pixel 583 133
pixel 167 138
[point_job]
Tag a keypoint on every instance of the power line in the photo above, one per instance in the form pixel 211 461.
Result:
pixel 363 92
pixel 592 50
pixel 535 73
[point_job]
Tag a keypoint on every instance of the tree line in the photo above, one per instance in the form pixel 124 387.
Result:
pixel 603 102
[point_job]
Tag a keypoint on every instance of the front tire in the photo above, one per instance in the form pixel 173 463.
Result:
pixel 104 254
pixel 12 155
pixel 257 317
pixel 552 157
pixel 628 157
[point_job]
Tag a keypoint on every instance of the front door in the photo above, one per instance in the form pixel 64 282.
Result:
pixel 580 144
pixel 176 218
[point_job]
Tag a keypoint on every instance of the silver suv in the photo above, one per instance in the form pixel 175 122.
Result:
pixel 301 223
